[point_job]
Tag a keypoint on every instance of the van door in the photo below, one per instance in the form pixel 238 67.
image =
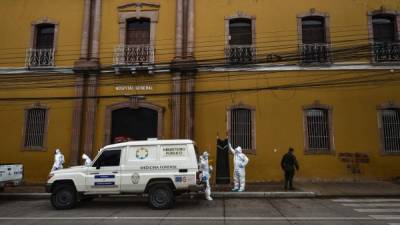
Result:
pixel 104 175
pixel 136 170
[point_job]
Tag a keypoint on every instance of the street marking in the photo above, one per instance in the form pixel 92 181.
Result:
pixel 373 205
pixel 377 210
pixel 367 200
pixel 198 218
pixel 385 217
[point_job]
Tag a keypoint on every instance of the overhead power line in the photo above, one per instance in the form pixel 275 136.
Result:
pixel 343 82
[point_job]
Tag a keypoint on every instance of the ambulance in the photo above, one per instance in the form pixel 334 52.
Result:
pixel 160 169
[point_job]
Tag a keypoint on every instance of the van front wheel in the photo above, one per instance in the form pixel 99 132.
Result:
pixel 161 197
pixel 64 197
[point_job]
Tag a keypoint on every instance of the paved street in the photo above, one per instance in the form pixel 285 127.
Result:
pixel 220 211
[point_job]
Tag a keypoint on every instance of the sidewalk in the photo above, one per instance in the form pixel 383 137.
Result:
pixel 261 190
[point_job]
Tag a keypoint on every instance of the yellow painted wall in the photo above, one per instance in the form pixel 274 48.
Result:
pixel 279 116
pixel 165 30
pixel 17 17
pixel 37 164
pixel 159 84
pixel 279 122
pixel 276 22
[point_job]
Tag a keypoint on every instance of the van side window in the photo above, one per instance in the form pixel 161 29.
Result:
pixel 108 158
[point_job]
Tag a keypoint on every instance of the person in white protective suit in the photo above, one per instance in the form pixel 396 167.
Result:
pixel 88 161
pixel 240 161
pixel 206 169
pixel 58 160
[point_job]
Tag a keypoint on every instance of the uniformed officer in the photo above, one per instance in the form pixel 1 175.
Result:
pixel 289 164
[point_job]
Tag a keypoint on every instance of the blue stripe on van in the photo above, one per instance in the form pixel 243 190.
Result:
pixel 104 183
pixel 103 176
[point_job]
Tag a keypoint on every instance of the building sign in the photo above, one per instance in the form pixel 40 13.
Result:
pixel 134 88
pixel 174 151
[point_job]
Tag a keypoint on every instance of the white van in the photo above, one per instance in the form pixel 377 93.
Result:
pixel 11 175
pixel 159 168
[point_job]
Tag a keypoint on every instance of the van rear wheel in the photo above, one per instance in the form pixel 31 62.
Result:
pixel 161 197
pixel 64 197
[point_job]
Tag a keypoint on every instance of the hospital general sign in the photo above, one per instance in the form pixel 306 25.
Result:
pixel 133 87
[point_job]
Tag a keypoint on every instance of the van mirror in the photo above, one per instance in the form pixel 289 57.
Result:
pixel 97 166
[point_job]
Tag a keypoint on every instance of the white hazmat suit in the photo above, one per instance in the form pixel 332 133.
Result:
pixel 88 161
pixel 240 161
pixel 205 169
pixel 58 160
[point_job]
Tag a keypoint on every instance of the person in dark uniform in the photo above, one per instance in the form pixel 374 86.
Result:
pixel 289 164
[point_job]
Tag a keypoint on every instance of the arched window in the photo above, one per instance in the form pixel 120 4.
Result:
pixel 137 49
pixel 44 36
pixel 314 38
pixel 137 35
pixel 240 31
pixel 313 30
pixel 241 126
pixel 240 44
pixel 43 43
pixel 384 28
pixel 384 31
pixel 138 31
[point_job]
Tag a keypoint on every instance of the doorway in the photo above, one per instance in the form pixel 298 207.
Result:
pixel 133 124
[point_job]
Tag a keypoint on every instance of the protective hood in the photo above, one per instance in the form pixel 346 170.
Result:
pixel 238 149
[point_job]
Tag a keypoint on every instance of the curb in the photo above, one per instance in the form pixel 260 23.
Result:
pixel 371 195
pixel 24 196
pixel 298 194
pixel 264 194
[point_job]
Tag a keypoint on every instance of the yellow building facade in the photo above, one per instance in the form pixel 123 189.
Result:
pixel 319 76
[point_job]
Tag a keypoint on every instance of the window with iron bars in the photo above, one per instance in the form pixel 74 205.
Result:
pixel 241 128
pixel 35 126
pixel 318 130
pixel 391 130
